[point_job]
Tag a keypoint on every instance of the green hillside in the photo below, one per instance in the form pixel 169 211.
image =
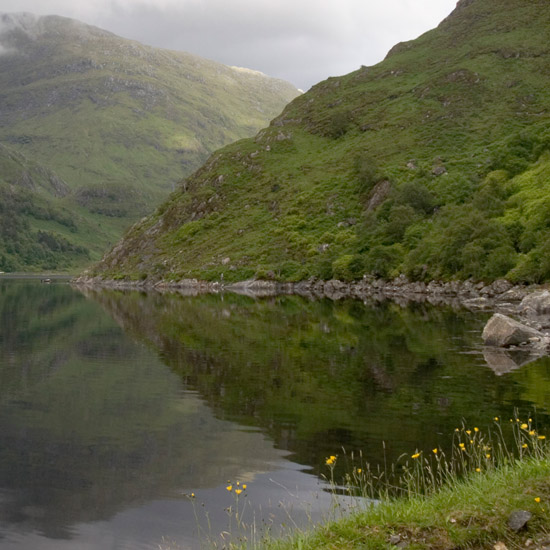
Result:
pixel 119 122
pixel 434 163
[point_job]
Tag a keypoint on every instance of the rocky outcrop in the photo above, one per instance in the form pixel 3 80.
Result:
pixel 503 331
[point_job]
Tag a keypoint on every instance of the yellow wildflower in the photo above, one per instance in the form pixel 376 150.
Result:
pixel 330 460
pixel 532 432
pixel 434 451
pixel 524 446
pixel 496 419
pixel 359 470
pixel 524 426
pixel 415 455
pixel 468 432
pixel 542 437
pixel 537 499
pixel 476 429
pixel 478 469
pixel 238 491
pixel 244 486
pixel 487 456
pixel 229 487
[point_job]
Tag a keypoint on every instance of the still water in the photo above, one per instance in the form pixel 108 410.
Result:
pixel 116 406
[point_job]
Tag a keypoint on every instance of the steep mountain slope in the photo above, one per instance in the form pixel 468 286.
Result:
pixel 121 123
pixel 433 163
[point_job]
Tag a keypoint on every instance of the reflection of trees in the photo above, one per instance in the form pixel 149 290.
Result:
pixel 319 375
pixel 90 421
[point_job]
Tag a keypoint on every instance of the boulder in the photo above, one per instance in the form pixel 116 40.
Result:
pixel 503 331
pixel 537 302
pixel 518 519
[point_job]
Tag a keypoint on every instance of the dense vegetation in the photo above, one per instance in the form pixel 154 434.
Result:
pixel 120 124
pixel 434 163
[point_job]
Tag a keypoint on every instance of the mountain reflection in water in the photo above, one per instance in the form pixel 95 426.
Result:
pixel 115 406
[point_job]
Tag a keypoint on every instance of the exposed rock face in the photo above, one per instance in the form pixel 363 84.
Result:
pixel 378 195
pixel 503 331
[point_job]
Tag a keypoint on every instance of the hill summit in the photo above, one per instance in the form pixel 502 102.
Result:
pixel 434 163
pixel 119 122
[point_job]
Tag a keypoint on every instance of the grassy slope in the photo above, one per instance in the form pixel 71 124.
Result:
pixel 471 96
pixel 120 122
pixel 469 514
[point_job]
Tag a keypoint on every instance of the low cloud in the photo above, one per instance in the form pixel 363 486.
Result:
pixel 302 41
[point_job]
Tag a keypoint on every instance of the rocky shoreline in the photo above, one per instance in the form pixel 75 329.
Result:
pixel 517 333
pixel 466 293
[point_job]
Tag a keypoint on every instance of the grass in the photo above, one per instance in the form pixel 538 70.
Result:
pixel 472 513
pixel 471 96
pixel 438 503
pixel 121 123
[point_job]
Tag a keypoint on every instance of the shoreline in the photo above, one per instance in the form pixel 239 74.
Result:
pixel 500 294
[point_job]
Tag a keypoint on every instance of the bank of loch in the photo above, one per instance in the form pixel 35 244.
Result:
pixel 483 512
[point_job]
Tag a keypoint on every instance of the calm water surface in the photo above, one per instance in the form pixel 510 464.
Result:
pixel 116 406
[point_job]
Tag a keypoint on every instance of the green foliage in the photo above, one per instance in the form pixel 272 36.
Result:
pixel 367 172
pixel 339 124
pixel 120 124
pixel 468 101
pixel 348 267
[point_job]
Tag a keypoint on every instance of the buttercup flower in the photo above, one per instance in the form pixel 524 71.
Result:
pixel 415 455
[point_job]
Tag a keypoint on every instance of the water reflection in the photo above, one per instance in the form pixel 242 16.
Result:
pixel 96 432
pixel 319 375
pixel 116 405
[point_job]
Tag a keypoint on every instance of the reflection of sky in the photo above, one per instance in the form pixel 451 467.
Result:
pixel 283 497
pixel 101 451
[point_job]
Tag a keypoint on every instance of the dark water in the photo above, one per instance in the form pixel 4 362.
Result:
pixel 115 406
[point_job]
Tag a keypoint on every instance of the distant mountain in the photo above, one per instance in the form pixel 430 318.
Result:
pixel 434 163
pixel 120 123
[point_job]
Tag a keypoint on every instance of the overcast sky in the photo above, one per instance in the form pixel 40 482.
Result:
pixel 303 41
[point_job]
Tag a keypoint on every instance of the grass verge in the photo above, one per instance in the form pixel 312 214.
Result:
pixel 467 499
pixel 471 513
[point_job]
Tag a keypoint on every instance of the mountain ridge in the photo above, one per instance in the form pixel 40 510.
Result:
pixel 120 122
pixel 433 163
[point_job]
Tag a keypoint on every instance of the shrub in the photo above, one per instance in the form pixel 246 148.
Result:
pixel 348 267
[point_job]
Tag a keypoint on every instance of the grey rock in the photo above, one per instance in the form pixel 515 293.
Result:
pixel 439 170
pixel 501 286
pixel 396 540
pixel 539 302
pixel 518 519
pixel 503 331
pixel 378 195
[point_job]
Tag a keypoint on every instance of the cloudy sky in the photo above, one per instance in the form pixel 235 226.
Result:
pixel 303 41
